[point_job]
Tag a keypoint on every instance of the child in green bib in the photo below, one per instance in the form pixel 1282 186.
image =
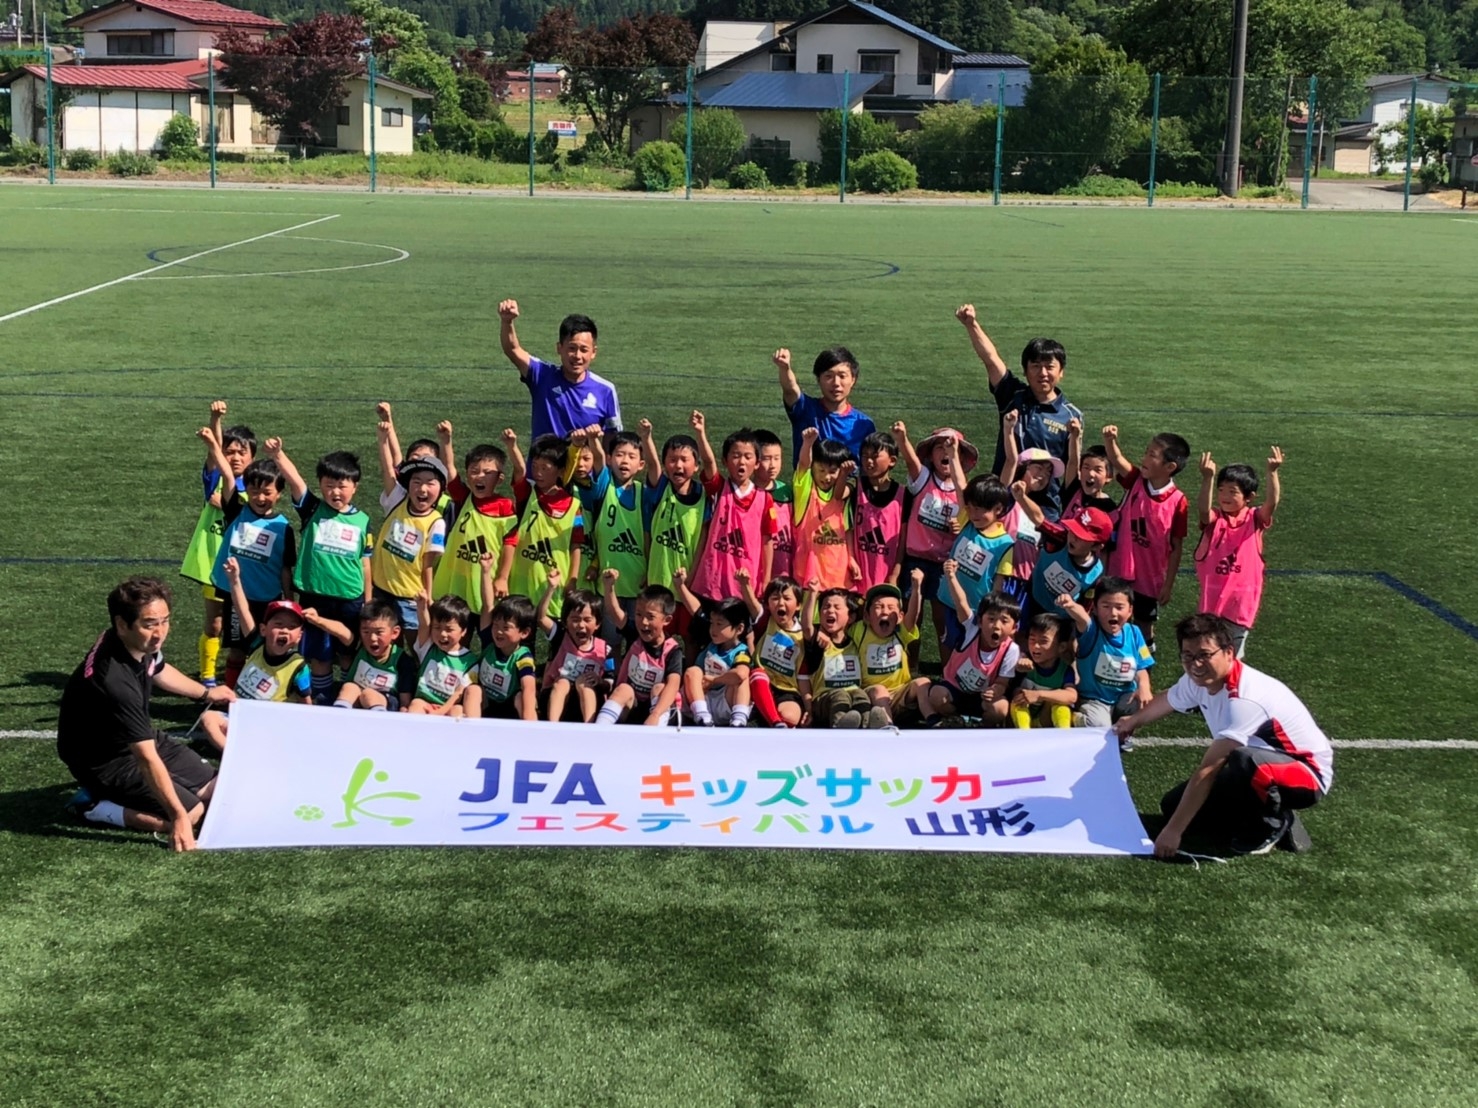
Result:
pixel 383 672
pixel 448 663
pixel 507 678
pixel 613 512
pixel 239 444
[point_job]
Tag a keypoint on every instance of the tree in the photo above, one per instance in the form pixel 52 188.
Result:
pixel 1083 113
pixel 1432 144
pixel 612 71
pixel 475 96
pixel 955 146
pixel 718 136
pixel 866 134
pixel 424 70
pixel 396 28
pixel 480 64
pixel 298 79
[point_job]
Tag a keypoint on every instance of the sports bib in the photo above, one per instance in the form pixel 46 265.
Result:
pixel 250 541
pixel 1059 579
pixel 779 652
pixel 497 681
pixel 841 671
pixel 256 683
pixel 973 559
pixel 935 512
pixel 402 539
pixel 645 672
pixel 439 677
pixel 575 667
pixel 369 676
pixel 971 678
pixel 714 666
pixel 1113 669
pixel 884 657
pixel 336 537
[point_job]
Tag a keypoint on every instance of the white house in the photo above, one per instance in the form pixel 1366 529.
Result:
pixel 132 31
pixel 778 77
pixel 1351 146
pixel 148 60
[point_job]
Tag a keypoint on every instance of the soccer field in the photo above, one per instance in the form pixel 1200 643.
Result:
pixel 623 977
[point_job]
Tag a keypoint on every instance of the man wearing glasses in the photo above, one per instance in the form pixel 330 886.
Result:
pixel 131 774
pixel 1267 756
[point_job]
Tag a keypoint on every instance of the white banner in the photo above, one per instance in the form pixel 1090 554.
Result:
pixel 300 776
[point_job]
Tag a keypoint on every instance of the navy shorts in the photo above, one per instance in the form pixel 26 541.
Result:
pixel 319 645
pixel 966 703
pixel 933 577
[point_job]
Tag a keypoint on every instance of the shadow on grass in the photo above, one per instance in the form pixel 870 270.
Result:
pixel 38 812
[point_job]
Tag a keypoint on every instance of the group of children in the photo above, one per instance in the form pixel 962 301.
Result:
pixel 674 582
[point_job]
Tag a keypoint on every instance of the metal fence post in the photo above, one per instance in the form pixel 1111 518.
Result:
pixel 531 126
pixel 1309 136
pixel 210 69
pixel 995 185
pixel 373 112
pixel 846 117
pixel 50 123
pixel 1410 148
pixel 1154 140
pixel 688 156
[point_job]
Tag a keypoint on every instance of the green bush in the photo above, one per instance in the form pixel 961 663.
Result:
pixel 803 173
pixel 498 142
pixel 594 152
pixel 1176 189
pixel 660 167
pixel 25 153
pixel 546 148
pixel 748 176
pixel 179 139
pixel 955 147
pixel 1096 184
pixel 883 171
pixel 126 163
pixel 80 161
pixel 455 133
pixel 865 135
pixel 718 136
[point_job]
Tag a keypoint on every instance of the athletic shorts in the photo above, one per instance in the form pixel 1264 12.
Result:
pixel 410 622
pixel 785 696
pixel 1146 612
pixel 124 782
pixel 933 575
pixel 231 636
pixel 319 645
pixel 966 703
pixel 499 709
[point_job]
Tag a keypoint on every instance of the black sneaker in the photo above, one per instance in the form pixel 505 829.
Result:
pixel 1295 838
pixel 1264 845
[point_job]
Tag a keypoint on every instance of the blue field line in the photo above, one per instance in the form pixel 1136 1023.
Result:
pixel 1395 584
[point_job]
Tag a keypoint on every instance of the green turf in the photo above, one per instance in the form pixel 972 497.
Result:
pixel 621 977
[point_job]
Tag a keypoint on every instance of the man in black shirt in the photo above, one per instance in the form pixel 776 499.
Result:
pixel 137 778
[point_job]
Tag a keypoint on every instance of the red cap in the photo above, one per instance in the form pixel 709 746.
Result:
pixel 290 606
pixel 1090 525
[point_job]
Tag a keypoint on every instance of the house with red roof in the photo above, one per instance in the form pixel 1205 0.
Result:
pixel 144 61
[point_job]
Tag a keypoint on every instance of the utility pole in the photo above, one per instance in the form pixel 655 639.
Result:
pixel 1232 156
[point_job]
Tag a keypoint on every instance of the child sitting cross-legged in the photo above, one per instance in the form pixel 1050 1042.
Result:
pixel 448 662
pixel 982 663
pixel 774 685
pixel 382 674
pixel 582 649
pixel 716 685
pixel 830 679
pixel 273 670
pixel 650 678
pixel 507 679
pixel 1048 688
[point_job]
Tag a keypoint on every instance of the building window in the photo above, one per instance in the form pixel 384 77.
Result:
pixel 225 119
pixel 392 117
pixel 149 44
pixel 341 118
pixel 782 63
pixel 879 63
pixel 823 63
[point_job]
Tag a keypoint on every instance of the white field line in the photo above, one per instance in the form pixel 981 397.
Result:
pixel 156 268
pixel 401 255
pixel 1197 743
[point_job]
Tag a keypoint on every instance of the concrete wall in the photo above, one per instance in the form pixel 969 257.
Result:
pixel 801 129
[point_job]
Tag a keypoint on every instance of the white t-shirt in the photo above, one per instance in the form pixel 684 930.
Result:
pixel 1256 710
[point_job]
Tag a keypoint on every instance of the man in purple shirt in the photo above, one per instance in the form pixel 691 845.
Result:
pixel 567 396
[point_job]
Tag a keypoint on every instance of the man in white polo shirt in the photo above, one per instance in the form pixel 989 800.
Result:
pixel 1267 758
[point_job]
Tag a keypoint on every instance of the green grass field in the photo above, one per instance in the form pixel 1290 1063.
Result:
pixel 130 976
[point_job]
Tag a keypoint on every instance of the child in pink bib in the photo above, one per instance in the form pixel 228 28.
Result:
pixel 1229 559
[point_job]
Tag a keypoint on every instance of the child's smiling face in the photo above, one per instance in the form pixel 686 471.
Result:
pixel 1230 498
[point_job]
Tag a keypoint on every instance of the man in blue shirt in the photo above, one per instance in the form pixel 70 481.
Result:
pixel 1043 413
pixel 567 396
pixel 831 414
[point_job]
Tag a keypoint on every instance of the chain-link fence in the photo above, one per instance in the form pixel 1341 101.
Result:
pixel 1127 136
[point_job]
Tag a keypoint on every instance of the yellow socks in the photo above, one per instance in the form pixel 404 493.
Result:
pixel 210 650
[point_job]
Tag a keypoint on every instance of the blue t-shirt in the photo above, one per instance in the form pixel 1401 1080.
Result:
pixel 978 557
pixel 561 407
pixel 1038 425
pixel 1055 574
pixel 1107 665
pixel 849 428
